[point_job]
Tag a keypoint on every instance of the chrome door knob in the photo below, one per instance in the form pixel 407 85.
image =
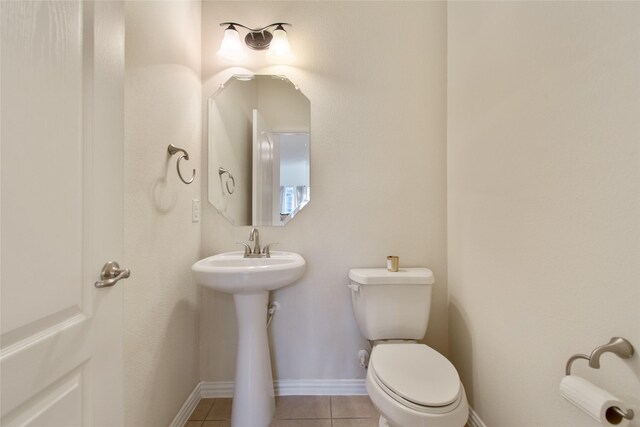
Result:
pixel 110 275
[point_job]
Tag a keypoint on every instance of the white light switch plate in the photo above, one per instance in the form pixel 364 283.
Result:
pixel 195 210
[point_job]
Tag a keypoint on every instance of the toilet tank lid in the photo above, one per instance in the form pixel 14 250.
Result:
pixel 382 276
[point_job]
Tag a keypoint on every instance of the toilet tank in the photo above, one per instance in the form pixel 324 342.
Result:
pixel 391 305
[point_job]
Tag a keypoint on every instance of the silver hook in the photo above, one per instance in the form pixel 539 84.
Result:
pixel 222 171
pixel 173 150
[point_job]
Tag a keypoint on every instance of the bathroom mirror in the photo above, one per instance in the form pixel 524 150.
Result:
pixel 259 150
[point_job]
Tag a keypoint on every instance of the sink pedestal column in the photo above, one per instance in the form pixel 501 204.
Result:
pixel 253 397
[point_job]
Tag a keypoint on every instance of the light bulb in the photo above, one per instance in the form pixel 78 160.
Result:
pixel 231 46
pixel 279 49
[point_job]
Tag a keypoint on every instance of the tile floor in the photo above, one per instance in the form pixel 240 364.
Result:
pixel 295 411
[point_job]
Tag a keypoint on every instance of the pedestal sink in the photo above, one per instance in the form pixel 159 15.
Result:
pixel 250 280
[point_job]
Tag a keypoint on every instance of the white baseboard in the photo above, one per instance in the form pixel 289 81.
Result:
pixel 320 387
pixel 213 389
pixel 293 388
pixel 216 389
pixel 187 408
pixel 474 419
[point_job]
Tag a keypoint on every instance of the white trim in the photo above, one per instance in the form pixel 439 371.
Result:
pixel 187 408
pixel 474 419
pixel 293 388
pixel 211 389
pixel 320 387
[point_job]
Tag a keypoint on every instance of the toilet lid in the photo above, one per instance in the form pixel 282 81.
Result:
pixel 416 373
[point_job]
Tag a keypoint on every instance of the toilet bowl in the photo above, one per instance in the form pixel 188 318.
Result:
pixel 410 384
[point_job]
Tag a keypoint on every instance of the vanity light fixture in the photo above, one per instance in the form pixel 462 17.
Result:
pixel 257 39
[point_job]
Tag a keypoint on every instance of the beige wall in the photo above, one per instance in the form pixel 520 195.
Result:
pixel 543 201
pixel 378 173
pixel 277 96
pixel 162 106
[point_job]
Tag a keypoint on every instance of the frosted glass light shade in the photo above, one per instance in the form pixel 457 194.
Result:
pixel 231 46
pixel 279 49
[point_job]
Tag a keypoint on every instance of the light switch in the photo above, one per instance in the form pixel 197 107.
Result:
pixel 195 210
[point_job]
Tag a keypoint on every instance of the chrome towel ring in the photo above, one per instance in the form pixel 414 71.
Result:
pixel 222 171
pixel 173 150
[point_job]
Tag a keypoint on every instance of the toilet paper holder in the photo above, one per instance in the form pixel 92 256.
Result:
pixel 619 346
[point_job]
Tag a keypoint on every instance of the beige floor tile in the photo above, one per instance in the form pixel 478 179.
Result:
pixel 352 407
pixel 216 424
pixel 355 422
pixel 221 409
pixel 302 407
pixel 193 424
pixel 201 410
pixel 301 423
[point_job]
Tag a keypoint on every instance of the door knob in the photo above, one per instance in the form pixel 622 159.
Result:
pixel 110 275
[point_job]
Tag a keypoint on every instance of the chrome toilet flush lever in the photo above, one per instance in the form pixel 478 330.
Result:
pixel 256 252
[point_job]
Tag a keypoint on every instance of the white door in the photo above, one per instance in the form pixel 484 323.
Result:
pixel 262 175
pixel 62 136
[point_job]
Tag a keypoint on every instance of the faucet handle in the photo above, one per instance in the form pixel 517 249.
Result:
pixel 266 250
pixel 247 248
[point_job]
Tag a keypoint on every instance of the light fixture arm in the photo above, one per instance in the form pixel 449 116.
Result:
pixel 254 30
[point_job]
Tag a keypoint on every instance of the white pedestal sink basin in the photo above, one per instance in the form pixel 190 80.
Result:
pixel 250 280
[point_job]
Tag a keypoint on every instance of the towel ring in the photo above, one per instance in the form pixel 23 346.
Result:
pixel 173 150
pixel 222 171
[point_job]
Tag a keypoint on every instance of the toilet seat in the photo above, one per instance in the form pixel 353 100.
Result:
pixel 416 376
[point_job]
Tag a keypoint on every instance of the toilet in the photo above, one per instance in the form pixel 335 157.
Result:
pixel 409 383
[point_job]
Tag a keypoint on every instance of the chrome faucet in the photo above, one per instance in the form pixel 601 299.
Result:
pixel 256 252
pixel 255 236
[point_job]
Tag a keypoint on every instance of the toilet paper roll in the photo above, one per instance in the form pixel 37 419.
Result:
pixel 593 400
